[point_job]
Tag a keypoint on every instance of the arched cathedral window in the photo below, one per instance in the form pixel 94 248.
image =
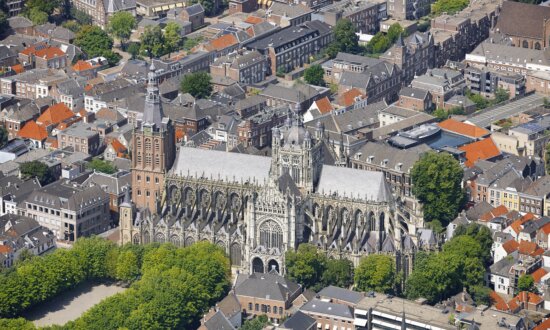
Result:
pixel 271 235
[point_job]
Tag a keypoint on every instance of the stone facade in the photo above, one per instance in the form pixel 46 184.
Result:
pixel 259 211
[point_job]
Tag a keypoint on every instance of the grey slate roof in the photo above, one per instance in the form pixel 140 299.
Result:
pixel 327 308
pixel 266 286
pixel 198 162
pixel 60 195
pixel 412 92
pixel 113 6
pixel 354 182
pixel 110 183
pixel 218 322
pixel 346 295
pixel 288 10
pixel 299 321
pixel 194 9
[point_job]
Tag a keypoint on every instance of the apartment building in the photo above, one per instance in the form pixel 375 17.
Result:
pixel 364 15
pixel 244 66
pixel 81 138
pixel 68 210
pixel 255 131
pixel 293 46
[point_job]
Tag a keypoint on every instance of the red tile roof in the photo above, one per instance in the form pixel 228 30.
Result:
pixel 222 42
pixel 538 274
pixel 461 128
pixel 33 131
pixel 510 246
pixel 546 228
pixel 498 302
pixel 516 225
pixel 82 66
pixel 253 20
pixel 18 68
pixel 530 248
pixel 55 114
pixel 44 51
pixel 496 212
pixel 544 325
pixel 348 98
pixel 527 298
pixel 5 249
pixel 324 105
pixel 480 150
pixel 119 147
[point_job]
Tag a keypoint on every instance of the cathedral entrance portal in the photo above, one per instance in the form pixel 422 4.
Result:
pixel 273 265
pixel 257 265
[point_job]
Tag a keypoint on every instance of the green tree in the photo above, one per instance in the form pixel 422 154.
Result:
pixel 3 136
pixel 197 84
pixel 394 32
pixel 152 41
pixel 437 179
pixel 96 42
pixel 441 114
pixel 190 43
pixel 39 170
pixel 306 266
pixel 375 272
pixel 18 323
pixel 121 25
pixel 127 267
pixel 47 7
pixel 526 283
pixel 81 17
pixel 133 49
pixel 449 6
pixel 93 253
pixel 257 323
pixel 338 272
pixel 72 25
pixel 501 95
pixel 481 295
pixel 378 44
pixel 480 101
pixel 172 36
pixel 480 234
pixel 345 39
pixel 37 16
pixel 314 75
pixel 102 166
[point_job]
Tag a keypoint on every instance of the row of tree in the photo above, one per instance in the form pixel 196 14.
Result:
pixel 436 276
pixel 461 264
pixel 172 287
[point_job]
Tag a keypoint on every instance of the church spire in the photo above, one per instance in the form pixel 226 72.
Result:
pixel 152 112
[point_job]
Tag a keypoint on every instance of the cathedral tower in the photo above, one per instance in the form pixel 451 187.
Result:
pixel 153 148
pixel 296 152
pixel 127 212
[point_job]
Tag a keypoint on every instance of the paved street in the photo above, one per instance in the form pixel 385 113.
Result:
pixel 70 305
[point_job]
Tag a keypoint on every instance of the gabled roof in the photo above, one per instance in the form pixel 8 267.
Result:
pixel 33 131
pixel 510 246
pixel 348 98
pixel 516 225
pixel 538 274
pixel 530 248
pixel 522 19
pixel 324 105
pixel 461 128
pixel 480 150
pixel 496 212
pixel 527 298
pixel 44 51
pixel 118 147
pixel 55 114
pixel 18 68
pixel 223 42
pixel 498 302
pixel 82 66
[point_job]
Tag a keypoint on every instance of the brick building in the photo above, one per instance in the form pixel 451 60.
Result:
pixel 255 131
pixel 245 67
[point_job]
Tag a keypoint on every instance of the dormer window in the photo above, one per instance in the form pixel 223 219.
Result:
pixel 370 159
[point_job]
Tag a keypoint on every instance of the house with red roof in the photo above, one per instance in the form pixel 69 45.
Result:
pixel 353 98
pixel 528 300
pixel 43 56
pixel 505 250
pixel 37 134
pixel 115 149
pixel 54 115
pixel 221 46
pixel 480 150
pixel 464 129
pixel 318 108
pixel 89 68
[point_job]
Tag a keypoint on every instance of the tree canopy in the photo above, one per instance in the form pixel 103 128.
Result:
pixel 172 36
pixel 461 264
pixel 382 42
pixel 102 166
pixel 96 42
pixel 197 84
pixel 449 6
pixel 526 283
pixel 345 39
pixel 37 169
pixel 172 287
pixel 311 268
pixel 437 179
pixel 375 272
pixel 314 75
pixel 152 43
pixel 121 25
